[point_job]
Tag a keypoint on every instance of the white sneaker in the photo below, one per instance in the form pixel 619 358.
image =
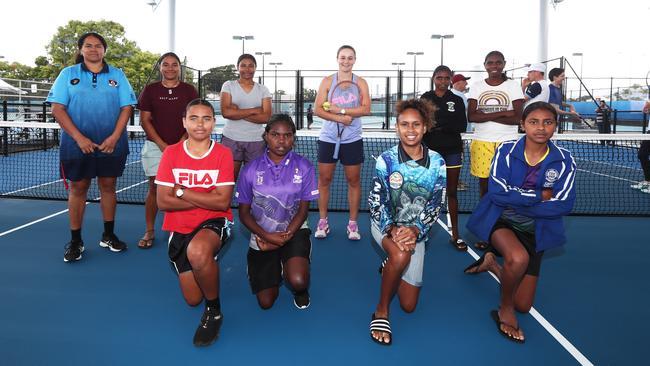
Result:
pixel 646 189
pixel 353 231
pixel 322 229
pixel 641 185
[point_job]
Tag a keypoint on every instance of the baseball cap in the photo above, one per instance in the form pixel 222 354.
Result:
pixel 537 67
pixel 459 77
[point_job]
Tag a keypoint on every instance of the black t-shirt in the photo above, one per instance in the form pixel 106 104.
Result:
pixel 451 121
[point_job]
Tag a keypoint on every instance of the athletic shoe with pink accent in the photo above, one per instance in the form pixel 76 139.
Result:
pixel 353 231
pixel 322 229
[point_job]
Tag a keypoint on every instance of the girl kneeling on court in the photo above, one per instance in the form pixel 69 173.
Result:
pixel 404 203
pixel 195 185
pixel 530 188
pixel 273 193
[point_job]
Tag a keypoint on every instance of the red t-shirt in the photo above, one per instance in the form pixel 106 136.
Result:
pixel 167 107
pixel 201 174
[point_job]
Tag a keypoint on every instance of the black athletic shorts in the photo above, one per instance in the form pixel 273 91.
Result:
pixel 528 241
pixel 177 246
pixel 349 154
pixel 265 267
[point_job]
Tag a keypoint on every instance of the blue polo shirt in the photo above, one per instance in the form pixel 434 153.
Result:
pixel 93 102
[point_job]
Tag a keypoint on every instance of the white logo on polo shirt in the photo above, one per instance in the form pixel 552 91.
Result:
pixel 196 178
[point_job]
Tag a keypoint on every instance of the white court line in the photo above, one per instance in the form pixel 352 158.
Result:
pixel 608 176
pixel 47 183
pixel 61 212
pixel 537 316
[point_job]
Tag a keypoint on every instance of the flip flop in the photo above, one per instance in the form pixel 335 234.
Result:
pixel 380 325
pixel 481 245
pixel 476 264
pixel 146 243
pixel 459 244
pixel 497 320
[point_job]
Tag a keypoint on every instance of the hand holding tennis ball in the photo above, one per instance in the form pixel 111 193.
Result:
pixel 327 106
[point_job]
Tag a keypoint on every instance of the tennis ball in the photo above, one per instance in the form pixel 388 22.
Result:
pixel 326 106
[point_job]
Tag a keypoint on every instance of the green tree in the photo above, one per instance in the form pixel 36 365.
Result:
pixel 309 95
pixel 15 70
pixel 216 76
pixel 121 52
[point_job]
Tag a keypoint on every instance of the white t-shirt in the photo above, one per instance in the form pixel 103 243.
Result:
pixel 537 92
pixel 242 130
pixel 495 99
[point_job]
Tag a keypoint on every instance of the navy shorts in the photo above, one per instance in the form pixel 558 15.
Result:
pixel 453 160
pixel 528 242
pixel 177 245
pixel 91 166
pixel 265 267
pixel 349 154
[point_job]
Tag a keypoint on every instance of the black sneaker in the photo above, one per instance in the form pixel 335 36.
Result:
pixel 208 330
pixel 112 242
pixel 73 251
pixel 301 300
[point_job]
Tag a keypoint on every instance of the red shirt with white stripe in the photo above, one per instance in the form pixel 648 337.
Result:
pixel 197 173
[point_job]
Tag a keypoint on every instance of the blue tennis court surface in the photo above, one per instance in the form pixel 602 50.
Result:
pixel 126 308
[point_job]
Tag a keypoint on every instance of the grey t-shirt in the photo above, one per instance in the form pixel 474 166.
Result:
pixel 242 130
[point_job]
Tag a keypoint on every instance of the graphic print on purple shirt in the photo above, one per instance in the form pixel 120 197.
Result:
pixel 521 222
pixel 274 191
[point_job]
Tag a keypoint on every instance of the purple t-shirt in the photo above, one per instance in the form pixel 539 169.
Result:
pixel 520 222
pixel 274 191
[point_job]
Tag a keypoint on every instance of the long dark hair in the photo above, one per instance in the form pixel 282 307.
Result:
pixel 80 43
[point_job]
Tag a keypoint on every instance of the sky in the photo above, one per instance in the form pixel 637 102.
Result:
pixel 611 35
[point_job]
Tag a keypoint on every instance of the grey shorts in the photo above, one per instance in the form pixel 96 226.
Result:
pixel 413 273
pixel 150 157
pixel 244 150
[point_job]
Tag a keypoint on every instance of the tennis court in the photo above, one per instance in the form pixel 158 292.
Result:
pixel 126 308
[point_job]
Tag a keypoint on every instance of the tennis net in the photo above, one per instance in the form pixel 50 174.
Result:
pixel 607 166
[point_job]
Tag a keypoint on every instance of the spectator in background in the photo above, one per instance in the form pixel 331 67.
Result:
pixel 534 89
pixel 644 158
pixel 555 98
pixel 602 117
pixel 459 87
pixel 310 116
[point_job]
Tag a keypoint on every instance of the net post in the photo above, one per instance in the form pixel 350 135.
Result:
pixel 400 79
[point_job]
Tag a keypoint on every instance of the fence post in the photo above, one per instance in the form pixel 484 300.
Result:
pixel 400 75
pixel 388 109
pixel 298 106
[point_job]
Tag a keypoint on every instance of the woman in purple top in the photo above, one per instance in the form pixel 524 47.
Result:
pixel 273 193
pixel 162 106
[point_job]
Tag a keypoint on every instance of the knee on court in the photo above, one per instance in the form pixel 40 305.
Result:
pixel 408 305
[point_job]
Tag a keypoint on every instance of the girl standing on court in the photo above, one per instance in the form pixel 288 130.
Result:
pixel 494 105
pixel 246 106
pixel 274 192
pixel 404 203
pixel 347 122
pixel 445 139
pixel 162 105
pixel 92 101
pixel 531 187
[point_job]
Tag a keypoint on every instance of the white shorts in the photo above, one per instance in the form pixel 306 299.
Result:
pixel 150 157
pixel 413 272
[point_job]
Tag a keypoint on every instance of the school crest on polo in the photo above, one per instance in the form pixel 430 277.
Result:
pixel 451 107
pixel 551 175
pixel 74 81
pixel 396 180
pixel 112 83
